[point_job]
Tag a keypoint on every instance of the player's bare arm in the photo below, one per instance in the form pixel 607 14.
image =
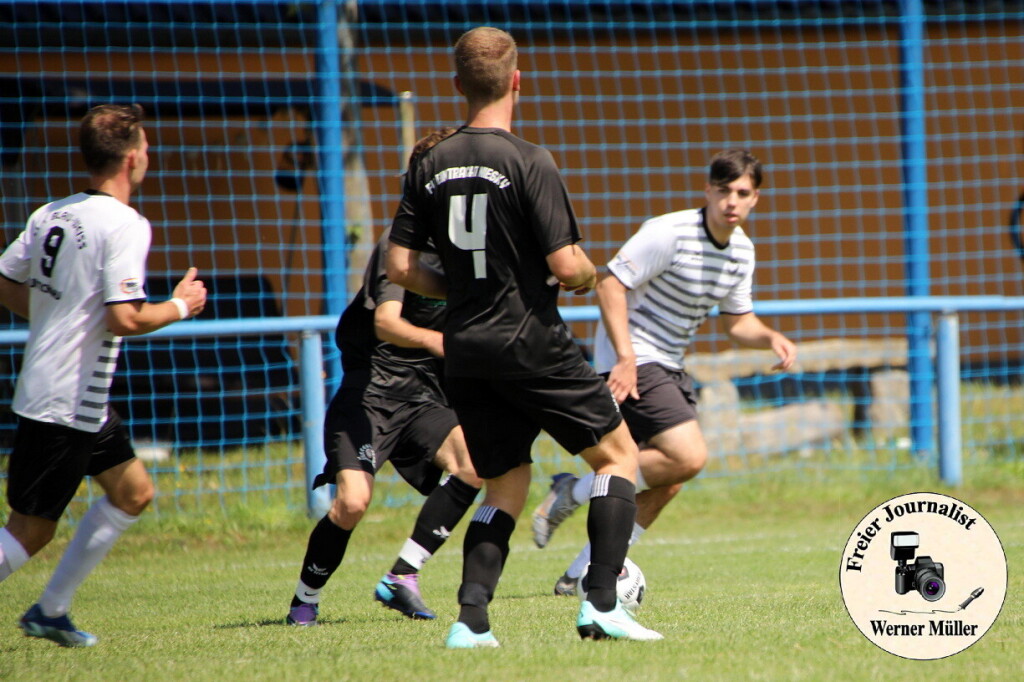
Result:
pixel 14 297
pixel 134 318
pixel 392 328
pixel 571 266
pixel 749 331
pixel 611 297
pixel 405 269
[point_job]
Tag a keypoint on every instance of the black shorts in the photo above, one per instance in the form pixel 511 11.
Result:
pixel 502 417
pixel 666 399
pixel 49 461
pixel 362 431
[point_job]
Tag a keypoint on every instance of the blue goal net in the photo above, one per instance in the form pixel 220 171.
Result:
pixel 891 133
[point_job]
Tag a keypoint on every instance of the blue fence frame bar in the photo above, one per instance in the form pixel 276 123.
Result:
pixel 947 361
pixel 915 207
pixel 331 173
pixel 313 327
pixel 311 380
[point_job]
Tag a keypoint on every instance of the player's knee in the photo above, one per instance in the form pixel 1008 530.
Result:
pixel 134 500
pixel 348 511
pixel 453 457
pixel 461 467
pixel 687 464
pixel 616 450
pixel 469 477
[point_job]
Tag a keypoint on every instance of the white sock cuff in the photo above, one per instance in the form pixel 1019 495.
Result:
pixel 11 552
pixel 641 483
pixel 485 513
pixel 414 554
pixel 306 594
pixel 600 486
pixel 117 518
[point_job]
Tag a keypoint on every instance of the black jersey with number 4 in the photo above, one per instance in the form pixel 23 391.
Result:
pixel 495 206
pixel 385 369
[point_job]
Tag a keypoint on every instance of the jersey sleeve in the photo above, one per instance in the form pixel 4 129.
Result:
pixel 645 255
pixel 740 300
pixel 549 210
pixel 407 228
pixel 124 267
pixel 15 263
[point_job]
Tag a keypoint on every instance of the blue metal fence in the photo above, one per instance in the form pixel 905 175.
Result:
pixel 946 363
pixel 889 129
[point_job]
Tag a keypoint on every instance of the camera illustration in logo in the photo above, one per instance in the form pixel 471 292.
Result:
pixel 924 575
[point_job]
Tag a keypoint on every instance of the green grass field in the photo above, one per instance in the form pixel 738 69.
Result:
pixel 742 580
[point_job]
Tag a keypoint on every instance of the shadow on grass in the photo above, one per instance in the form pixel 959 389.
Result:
pixel 280 622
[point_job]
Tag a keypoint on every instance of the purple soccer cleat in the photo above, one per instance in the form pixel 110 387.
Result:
pixel 402 593
pixel 303 615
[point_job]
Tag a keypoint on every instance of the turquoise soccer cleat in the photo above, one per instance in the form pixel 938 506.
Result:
pixel 461 637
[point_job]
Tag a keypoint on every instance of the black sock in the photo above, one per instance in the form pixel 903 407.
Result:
pixel 441 512
pixel 403 567
pixel 484 554
pixel 324 553
pixel 609 524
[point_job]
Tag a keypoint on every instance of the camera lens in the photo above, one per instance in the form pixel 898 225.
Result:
pixel 930 585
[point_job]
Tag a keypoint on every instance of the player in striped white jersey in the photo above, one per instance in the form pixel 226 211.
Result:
pixel 661 286
pixel 77 273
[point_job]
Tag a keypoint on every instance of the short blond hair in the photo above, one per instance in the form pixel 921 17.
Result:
pixel 485 59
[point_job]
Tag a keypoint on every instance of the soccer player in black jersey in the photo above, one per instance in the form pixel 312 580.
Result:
pixel 499 215
pixel 390 407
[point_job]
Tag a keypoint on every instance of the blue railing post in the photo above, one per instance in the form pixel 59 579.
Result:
pixel 331 174
pixel 915 199
pixel 311 386
pixel 947 357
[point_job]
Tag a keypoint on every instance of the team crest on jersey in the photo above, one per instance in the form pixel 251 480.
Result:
pixel 131 286
pixel 367 453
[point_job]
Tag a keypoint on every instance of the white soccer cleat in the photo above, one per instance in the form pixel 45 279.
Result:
pixel 615 624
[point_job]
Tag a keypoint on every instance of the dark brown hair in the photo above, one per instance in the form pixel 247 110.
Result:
pixel 428 141
pixel 732 164
pixel 108 133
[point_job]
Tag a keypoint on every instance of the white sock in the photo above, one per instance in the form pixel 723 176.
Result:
pixel 575 569
pixel 414 554
pixel 12 555
pixel 581 488
pixel 307 594
pixel 641 483
pixel 101 526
